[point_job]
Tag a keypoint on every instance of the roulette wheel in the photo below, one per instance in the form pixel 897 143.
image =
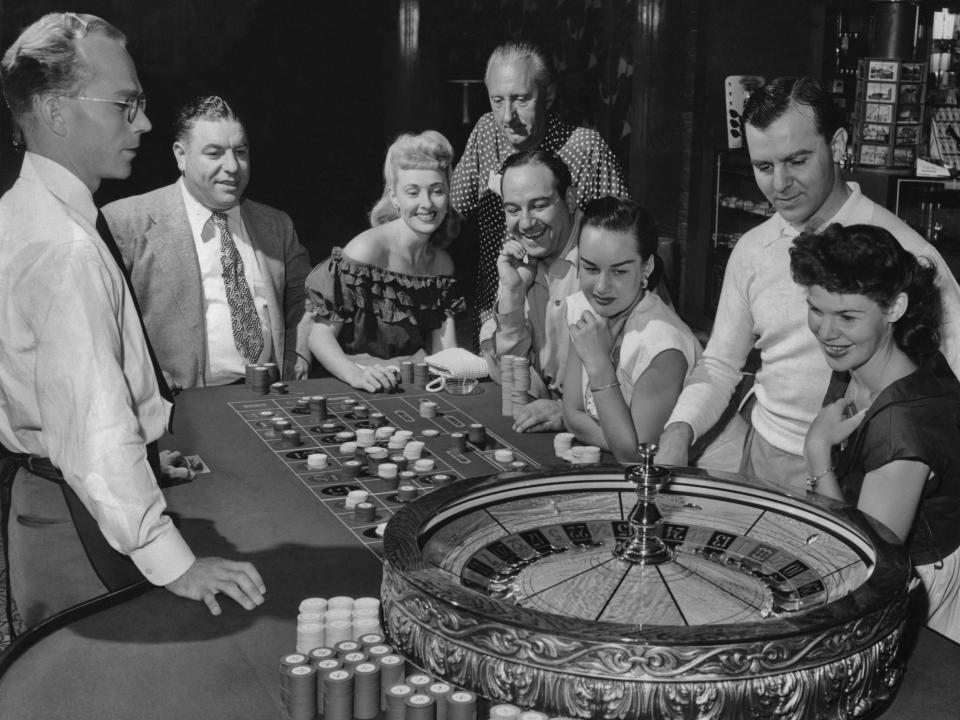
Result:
pixel 609 592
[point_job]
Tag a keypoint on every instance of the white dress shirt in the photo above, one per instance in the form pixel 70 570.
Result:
pixel 76 381
pixel 224 362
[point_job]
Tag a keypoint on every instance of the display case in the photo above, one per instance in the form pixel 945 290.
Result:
pixel 932 208
pixel 738 206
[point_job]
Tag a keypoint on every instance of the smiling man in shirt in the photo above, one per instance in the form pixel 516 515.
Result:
pixel 537 271
pixel 219 277
pixel 80 394
pixel 796 141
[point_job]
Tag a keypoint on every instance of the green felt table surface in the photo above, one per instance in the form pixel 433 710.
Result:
pixel 158 656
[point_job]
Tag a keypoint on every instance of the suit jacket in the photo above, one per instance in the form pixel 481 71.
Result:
pixel 154 236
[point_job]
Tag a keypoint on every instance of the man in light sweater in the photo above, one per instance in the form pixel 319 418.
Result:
pixel 796 140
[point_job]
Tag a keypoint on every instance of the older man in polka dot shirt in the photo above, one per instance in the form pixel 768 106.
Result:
pixel 518 82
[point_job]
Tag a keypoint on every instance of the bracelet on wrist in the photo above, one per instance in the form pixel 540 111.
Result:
pixel 306 360
pixel 812 480
pixel 614 384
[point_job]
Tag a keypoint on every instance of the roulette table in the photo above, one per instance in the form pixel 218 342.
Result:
pixel 158 656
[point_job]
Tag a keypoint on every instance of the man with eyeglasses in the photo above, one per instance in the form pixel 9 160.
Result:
pixel 220 278
pixel 80 391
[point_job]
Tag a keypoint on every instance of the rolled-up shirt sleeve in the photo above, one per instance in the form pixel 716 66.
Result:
pixel 99 406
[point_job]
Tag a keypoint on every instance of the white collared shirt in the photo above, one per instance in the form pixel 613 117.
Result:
pixel 76 381
pixel 224 362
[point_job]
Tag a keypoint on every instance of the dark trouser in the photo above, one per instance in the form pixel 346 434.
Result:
pixel 57 556
pixel 49 569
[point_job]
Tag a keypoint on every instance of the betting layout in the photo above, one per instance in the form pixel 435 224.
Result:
pixel 454 446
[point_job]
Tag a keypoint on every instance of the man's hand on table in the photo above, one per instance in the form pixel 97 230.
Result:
pixel 539 416
pixel 174 468
pixel 675 444
pixel 208 577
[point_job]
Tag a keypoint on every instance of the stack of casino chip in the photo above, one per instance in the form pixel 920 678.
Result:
pixel 562 444
pixel 390 474
pixel 323 667
pixel 459 441
pixel 317 460
pixel 277 426
pixel 354 498
pixel 520 392
pixel 440 692
pixel 477 434
pixel 298 692
pixel 310 632
pixel 421 375
pixel 365 512
pixel 392 672
pixel 273 372
pixel 377 419
pixel 503 455
pixel 399 439
pixel 258 379
pixel 366 437
pixel 290 437
pixel 338 694
pixel 506 385
pixel 366 691
pixel 584 454
pixel 318 409
pixel 423 465
pixel 461 705
pixel 406 493
pixel 420 706
pixel 428 409
pixel 361 412
pixel 533 715
pixel 375 455
pixel 395 703
pixel 369 640
pixel 406 372
pixel 384 433
pixel 504 711
pixel 413 449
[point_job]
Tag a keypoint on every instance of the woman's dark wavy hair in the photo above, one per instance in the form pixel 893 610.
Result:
pixel 868 260
pixel 619 215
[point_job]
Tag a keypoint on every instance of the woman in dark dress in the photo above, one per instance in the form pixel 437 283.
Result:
pixel 390 293
pixel 888 436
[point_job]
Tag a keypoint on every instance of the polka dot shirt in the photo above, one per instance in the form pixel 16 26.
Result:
pixel 593 168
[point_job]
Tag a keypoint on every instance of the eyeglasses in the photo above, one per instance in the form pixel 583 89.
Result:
pixel 133 104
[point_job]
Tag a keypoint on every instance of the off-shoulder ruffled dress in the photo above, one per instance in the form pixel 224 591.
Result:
pixel 386 315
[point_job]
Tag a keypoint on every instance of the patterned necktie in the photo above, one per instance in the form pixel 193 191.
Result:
pixel 247 334
pixel 104 230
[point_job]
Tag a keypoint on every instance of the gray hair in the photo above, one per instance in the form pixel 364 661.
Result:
pixel 513 52
pixel 44 59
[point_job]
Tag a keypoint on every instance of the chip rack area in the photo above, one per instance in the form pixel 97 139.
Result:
pixel 156 656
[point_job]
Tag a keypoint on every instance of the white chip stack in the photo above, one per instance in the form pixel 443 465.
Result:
pixel 584 454
pixel 366 437
pixel 562 443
